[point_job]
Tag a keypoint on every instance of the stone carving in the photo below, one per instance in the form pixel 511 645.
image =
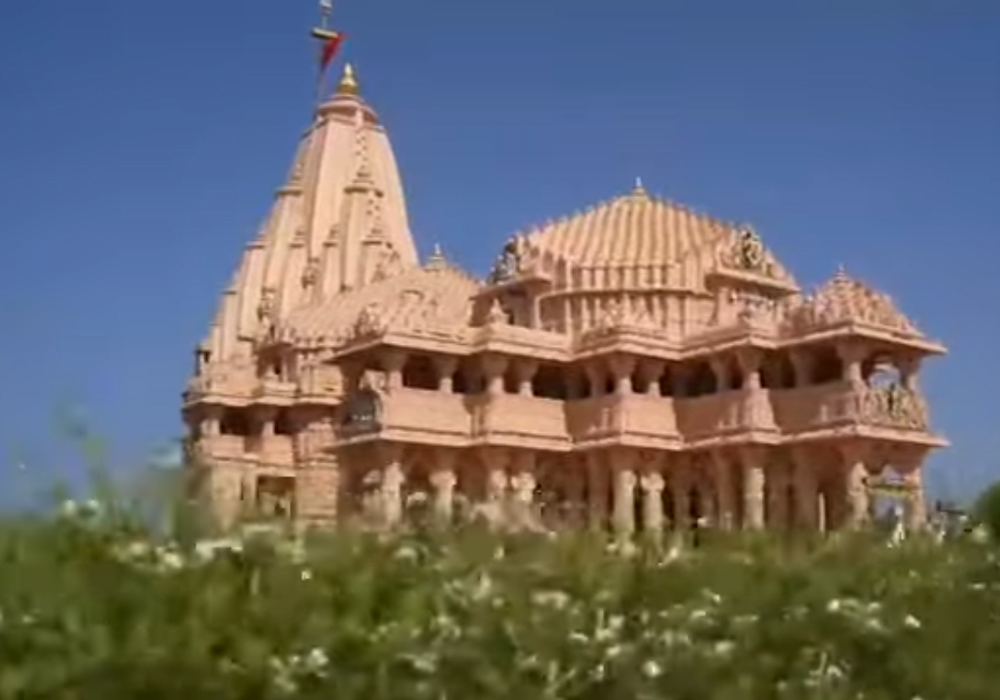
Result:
pixel 894 405
pixel 370 321
pixel 268 307
pixel 310 275
pixel 496 315
pixel 507 265
pixel 364 410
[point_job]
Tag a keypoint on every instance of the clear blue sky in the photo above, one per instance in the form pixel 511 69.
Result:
pixel 140 143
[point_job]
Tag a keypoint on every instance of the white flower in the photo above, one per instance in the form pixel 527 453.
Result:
pixel 651 669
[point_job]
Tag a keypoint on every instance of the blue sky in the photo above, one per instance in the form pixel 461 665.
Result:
pixel 140 144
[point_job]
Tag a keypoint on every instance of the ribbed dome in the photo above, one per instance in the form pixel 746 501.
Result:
pixel 634 229
pixel 844 299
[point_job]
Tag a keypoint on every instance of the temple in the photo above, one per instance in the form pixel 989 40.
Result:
pixel 636 366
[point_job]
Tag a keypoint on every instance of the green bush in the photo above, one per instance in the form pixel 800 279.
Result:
pixel 91 607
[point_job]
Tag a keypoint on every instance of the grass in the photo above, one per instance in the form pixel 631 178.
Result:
pixel 92 605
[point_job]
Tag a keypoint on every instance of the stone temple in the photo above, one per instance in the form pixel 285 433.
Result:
pixel 635 366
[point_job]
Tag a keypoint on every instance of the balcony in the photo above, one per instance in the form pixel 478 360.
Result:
pixel 839 404
pixel 407 415
pixel 635 419
pixel 722 415
pixel 522 421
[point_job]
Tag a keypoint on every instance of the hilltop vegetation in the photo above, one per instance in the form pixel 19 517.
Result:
pixel 93 606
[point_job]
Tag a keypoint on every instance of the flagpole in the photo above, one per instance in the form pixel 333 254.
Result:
pixel 325 35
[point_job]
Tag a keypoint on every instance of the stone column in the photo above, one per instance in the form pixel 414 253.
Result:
pixel 855 486
pixel 392 479
pixel 759 413
pixel 494 367
pixel 909 368
pixel 650 372
pixel 575 475
pixel 802 366
pixel 652 503
pixel 778 480
pixel 525 371
pixel 446 366
pixel 443 479
pixel 915 508
pixel 523 485
pixel 393 361
pixel 852 353
pixel 595 379
pixel 624 496
pixel 597 508
pixel 621 368
pixel 753 488
pixel 804 479
pixel 721 370
pixel 680 489
pixel 723 481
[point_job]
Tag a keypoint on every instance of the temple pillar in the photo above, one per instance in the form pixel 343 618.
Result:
pixel 650 371
pixel 443 481
pixel 522 484
pixel 852 353
pixel 525 371
pixel 802 366
pixel 596 379
pixel 680 491
pixel 624 493
pixel 915 507
pixel 597 478
pixel 855 473
pixel 754 485
pixel 652 484
pixel 760 413
pixel 391 488
pixel 575 475
pixel 909 368
pixel 778 478
pixel 392 361
pixel 804 480
pixel 445 366
pixel 494 367
pixel 724 488
pixel 721 369
pixel 621 368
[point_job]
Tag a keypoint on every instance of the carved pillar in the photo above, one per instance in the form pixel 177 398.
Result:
pixel 211 422
pixel 621 368
pixel 443 479
pixel 575 475
pixel 909 368
pixel 852 353
pixel 624 493
pixel 523 484
pixel 758 404
pixel 778 479
pixel 802 366
pixel 652 484
pixel 393 360
pixel 722 371
pixel 753 487
pixel 495 460
pixel 804 480
pixel 494 367
pixel 525 372
pixel 392 484
pixel 724 488
pixel 650 371
pixel 915 508
pixel 680 491
pixel 597 477
pixel 595 378
pixel 858 507
pixel 446 366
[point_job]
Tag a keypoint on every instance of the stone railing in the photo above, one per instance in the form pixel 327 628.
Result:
pixel 829 405
pixel 715 415
pixel 536 421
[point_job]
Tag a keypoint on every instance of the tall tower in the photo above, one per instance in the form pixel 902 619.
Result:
pixel 338 222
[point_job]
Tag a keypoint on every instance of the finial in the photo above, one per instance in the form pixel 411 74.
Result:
pixel 638 190
pixel 841 272
pixel 348 82
pixel 436 260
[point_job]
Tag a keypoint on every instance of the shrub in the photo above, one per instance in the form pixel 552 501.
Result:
pixel 94 607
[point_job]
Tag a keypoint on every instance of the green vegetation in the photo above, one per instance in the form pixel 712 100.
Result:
pixel 94 606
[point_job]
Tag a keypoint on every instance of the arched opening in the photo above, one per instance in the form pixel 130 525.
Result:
pixel 235 421
pixel 827 366
pixel 284 423
pixel 702 381
pixel 549 383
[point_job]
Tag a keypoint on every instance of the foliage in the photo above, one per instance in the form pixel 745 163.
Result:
pixel 99 608
pixel 987 509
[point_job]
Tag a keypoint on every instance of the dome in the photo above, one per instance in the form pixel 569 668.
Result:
pixel 844 299
pixel 663 243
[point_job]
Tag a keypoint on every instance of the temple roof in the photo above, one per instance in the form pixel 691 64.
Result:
pixel 338 222
pixel 846 299
pixel 436 295
pixel 639 230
